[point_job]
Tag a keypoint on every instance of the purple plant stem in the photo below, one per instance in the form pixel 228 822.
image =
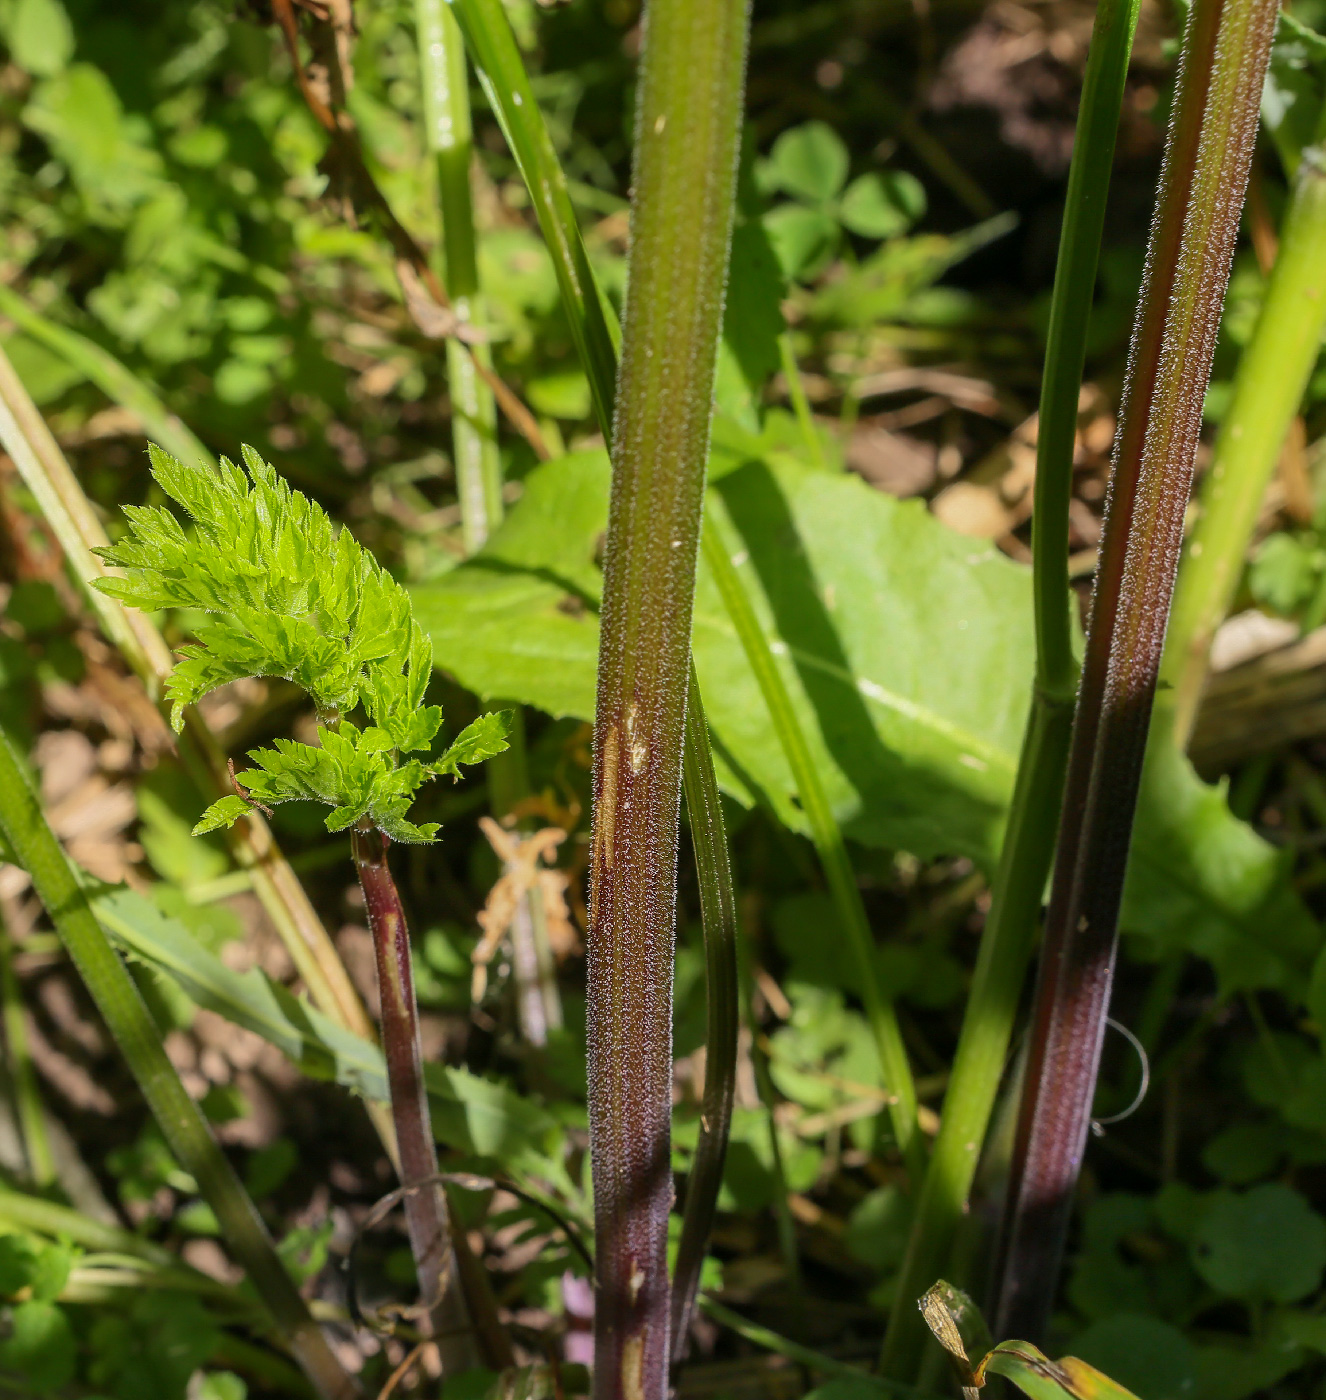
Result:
pixel 1202 184
pixel 425 1219
pixel 684 175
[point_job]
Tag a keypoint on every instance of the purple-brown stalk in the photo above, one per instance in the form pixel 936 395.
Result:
pixel 425 1217
pixel 1202 184
pixel 684 174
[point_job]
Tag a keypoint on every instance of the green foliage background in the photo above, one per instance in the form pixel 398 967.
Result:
pixel 167 195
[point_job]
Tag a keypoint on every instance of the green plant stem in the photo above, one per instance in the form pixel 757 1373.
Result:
pixel 829 845
pixel 688 118
pixel 1268 388
pixel 1024 864
pixel 31 1111
pixel 446 101
pixel 704 807
pixel 493 48
pixel 127 1018
pixel 425 1212
pixel 478 464
pixel 47 474
pixel 1203 180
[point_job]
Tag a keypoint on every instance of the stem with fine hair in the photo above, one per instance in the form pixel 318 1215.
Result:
pixel 718 905
pixel 827 837
pixel 1028 848
pixel 126 1016
pixel 425 1212
pixel 688 119
pixel 1208 153
pixel 1268 388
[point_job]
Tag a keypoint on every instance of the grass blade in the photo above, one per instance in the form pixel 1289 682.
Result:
pixel 829 845
pixel 446 102
pixel 493 48
pixel 126 1016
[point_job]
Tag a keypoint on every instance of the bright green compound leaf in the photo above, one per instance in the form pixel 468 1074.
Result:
pixel 226 811
pixel 300 601
pixel 1266 1244
pixel 488 735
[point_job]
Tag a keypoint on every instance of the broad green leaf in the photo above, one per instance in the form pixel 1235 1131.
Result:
pixel 1153 1358
pixel 1200 880
pixel 1266 1244
pixel 907 651
pixel 808 162
pixel 40 1347
pixel 803 239
pixel 882 205
pixel 1295 89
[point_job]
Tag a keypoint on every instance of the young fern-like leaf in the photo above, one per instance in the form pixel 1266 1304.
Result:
pixel 297 600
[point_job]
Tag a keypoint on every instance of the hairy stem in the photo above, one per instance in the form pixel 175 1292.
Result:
pixel 718 905
pixel 1024 864
pixel 1205 172
pixel 687 127
pixel 1268 388
pixel 425 1213
pixel 129 1022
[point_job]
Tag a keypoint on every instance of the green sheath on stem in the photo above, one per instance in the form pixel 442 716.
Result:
pixel 447 128
pixel 1203 180
pixel 688 119
pixel 704 807
pixel 126 1016
pixel 1028 849
pixel 1268 388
